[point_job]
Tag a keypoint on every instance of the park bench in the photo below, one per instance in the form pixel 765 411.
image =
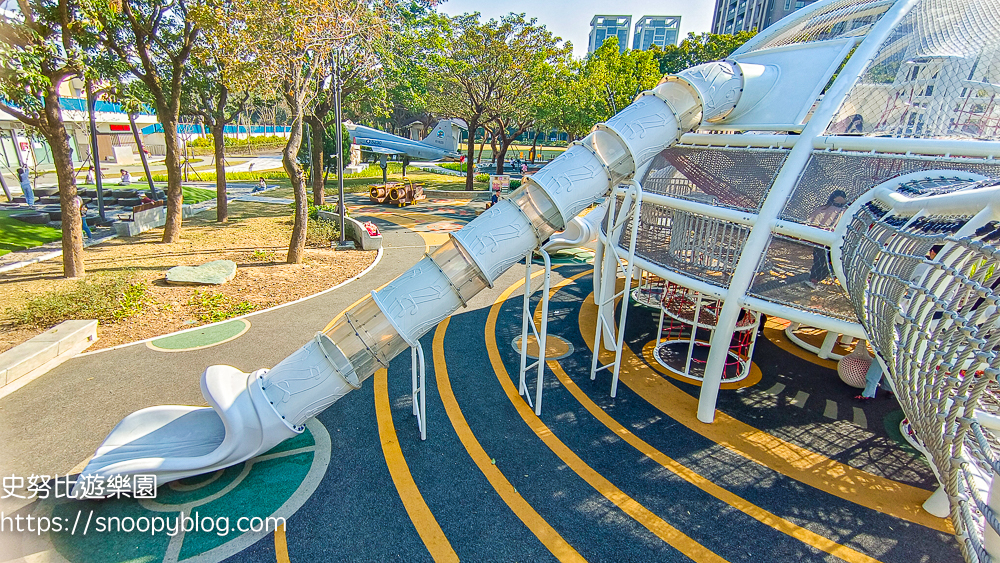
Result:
pixel 142 218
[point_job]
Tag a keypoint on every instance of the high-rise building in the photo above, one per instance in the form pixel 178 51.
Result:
pixel 656 30
pixel 602 27
pixel 733 16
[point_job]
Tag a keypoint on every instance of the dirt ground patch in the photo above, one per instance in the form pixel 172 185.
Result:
pixel 256 238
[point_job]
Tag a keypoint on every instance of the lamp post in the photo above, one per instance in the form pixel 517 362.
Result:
pixel 340 141
pixel 95 157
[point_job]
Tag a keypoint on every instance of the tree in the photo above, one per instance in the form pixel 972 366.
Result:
pixel 566 103
pixel 217 86
pixel 528 62
pixel 357 67
pixel 40 50
pixel 699 49
pixel 480 72
pixel 153 40
pixel 614 78
pixel 296 43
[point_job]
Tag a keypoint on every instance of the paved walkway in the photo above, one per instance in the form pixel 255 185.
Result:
pixel 635 478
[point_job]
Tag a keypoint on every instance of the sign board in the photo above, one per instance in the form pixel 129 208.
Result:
pixel 500 183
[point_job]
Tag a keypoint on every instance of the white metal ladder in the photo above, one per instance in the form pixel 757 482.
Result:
pixel 612 259
pixel 418 396
pixel 540 332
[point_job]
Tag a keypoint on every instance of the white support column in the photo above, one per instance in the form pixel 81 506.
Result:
pixel 784 183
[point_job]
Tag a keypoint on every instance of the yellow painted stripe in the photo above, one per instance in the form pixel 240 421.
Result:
pixel 816 470
pixel 280 545
pixel 549 537
pixel 330 324
pixel 761 515
pixel 669 534
pixel 420 514
pixel 774 331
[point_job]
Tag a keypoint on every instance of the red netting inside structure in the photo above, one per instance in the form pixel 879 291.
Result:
pixel 687 324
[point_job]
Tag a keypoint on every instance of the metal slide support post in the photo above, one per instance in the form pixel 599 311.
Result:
pixel 418 396
pixel 525 319
pixel 630 209
pixel 540 332
pixel 781 188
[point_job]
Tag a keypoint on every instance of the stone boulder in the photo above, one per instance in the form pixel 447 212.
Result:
pixel 217 272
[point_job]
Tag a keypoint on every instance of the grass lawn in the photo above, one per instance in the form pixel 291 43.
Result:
pixel 17 235
pixel 197 195
pixel 429 180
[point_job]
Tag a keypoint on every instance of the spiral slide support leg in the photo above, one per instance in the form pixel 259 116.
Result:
pixel 251 413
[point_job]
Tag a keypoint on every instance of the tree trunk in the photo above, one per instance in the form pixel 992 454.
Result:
pixel 62 156
pixel 534 147
pixel 482 145
pixel 470 168
pixel 297 246
pixel 493 148
pixel 218 137
pixel 317 130
pixel 175 197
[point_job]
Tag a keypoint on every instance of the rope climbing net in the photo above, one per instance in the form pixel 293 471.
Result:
pixel 921 263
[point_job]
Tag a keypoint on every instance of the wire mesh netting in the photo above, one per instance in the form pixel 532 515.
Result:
pixel 798 274
pixel 702 247
pixel 856 173
pixel 936 76
pixel 926 287
pixel 846 18
pixel 737 178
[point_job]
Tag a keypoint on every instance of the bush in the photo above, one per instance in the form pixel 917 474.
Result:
pixel 514 184
pixel 322 233
pixel 249 176
pixel 109 298
pixel 482 178
pixel 458 166
pixel 215 307
pixel 315 209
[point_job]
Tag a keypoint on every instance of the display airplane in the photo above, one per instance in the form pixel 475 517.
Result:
pixel 441 143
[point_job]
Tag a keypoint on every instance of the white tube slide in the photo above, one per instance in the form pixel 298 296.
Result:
pixel 581 231
pixel 251 413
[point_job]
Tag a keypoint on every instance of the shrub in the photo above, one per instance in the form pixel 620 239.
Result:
pixel 482 178
pixel 514 184
pixel 260 255
pixel 108 298
pixel 315 209
pixel 215 307
pixel 459 166
pixel 322 233
pixel 247 176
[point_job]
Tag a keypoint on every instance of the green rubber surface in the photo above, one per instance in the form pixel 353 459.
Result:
pixel 214 334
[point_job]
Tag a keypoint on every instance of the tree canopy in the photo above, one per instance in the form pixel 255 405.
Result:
pixel 484 71
pixel 699 49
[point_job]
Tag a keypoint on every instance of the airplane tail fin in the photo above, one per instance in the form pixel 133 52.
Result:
pixel 446 135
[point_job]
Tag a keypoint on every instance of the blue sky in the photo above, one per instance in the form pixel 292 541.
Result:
pixel 571 19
